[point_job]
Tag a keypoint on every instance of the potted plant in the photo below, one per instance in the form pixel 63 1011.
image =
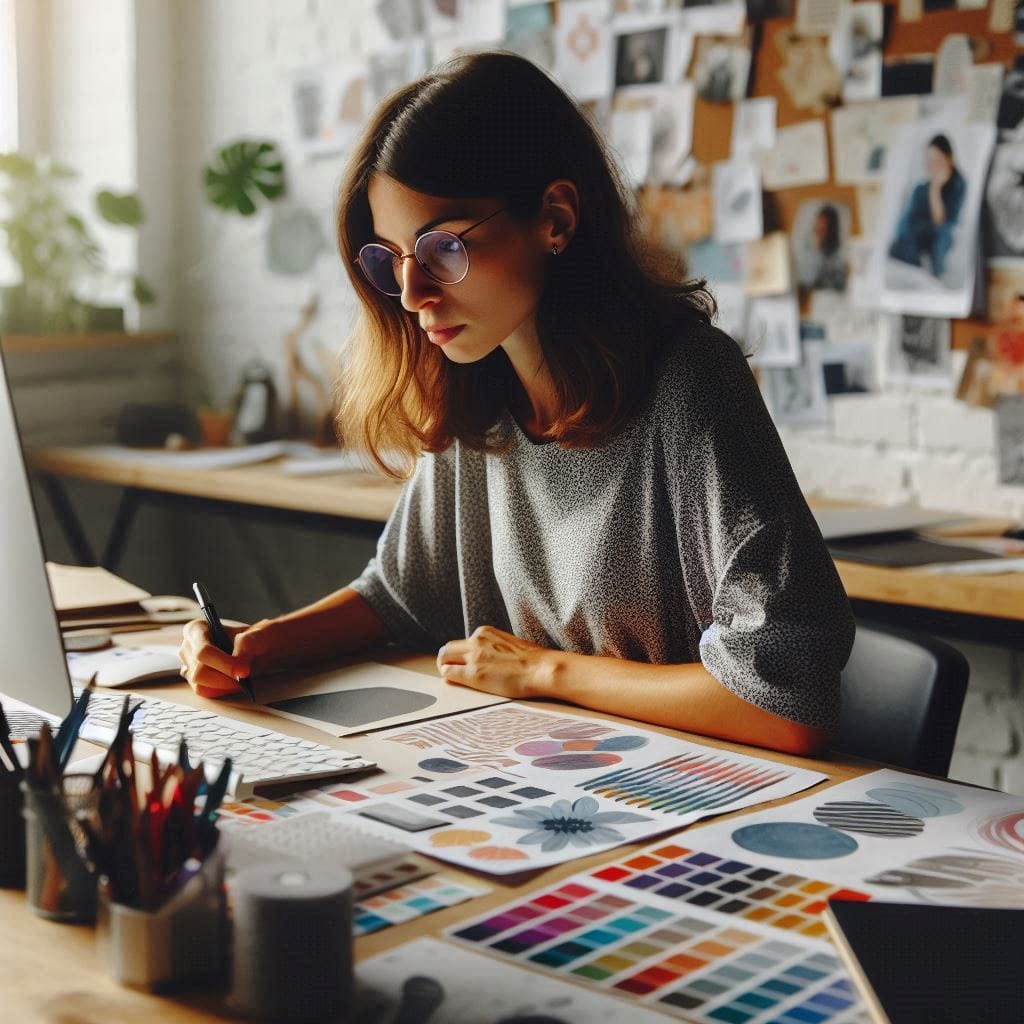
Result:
pixel 56 254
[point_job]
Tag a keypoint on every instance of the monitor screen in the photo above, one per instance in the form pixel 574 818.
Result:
pixel 33 668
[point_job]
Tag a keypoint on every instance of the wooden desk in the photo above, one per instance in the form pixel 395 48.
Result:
pixel 50 972
pixel 369 498
pixel 257 491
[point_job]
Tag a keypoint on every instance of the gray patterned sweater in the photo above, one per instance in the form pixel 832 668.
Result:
pixel 684 538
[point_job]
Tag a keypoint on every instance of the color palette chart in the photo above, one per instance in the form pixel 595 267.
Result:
pixel 741 890
pixel 688 961
pixel 411 901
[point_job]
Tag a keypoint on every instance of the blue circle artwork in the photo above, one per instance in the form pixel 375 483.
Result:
pixel 622 743
pixel 918 801
pixel 443 765
pixel 794 839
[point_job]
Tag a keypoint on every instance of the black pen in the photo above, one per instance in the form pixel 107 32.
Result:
pixel 217 632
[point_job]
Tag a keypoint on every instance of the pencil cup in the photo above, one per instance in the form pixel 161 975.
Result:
pixel 59 883
pixel 12 833
pixel 181 945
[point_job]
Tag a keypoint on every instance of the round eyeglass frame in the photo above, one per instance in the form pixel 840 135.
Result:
pixel 399 256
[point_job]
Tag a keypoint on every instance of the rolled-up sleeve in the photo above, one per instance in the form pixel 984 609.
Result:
pixel 775 623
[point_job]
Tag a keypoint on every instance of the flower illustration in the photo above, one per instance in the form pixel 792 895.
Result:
pixel 581 823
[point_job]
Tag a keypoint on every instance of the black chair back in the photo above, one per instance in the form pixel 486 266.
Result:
pixel 902 694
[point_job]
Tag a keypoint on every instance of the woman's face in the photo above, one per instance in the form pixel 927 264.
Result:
pixel 507 260
pixel 937 162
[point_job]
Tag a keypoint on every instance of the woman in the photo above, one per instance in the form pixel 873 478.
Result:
pixel 929 221
pixel 821 260
pixel 600 509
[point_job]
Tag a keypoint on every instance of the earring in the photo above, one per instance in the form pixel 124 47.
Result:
pixel 554 250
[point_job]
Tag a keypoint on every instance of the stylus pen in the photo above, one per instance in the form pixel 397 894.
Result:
pixel 217 632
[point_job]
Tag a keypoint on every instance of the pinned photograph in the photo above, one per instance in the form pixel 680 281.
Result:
pixel 1009 422
pixel 721 70
pixel 855 47
pixel 861 134
pixel 400 19
pixel 795 395
pixel 529 32
pixel 1011 102
pixel 926 243
pixel 584 55
pixel 820 232
pixel 329 108
pixel 640 56
pixel 736 186
pixel 1005 297
pixel 766 265
pixel 806 72
pixel 733 308
pixel 710 17
pixel 817 17
pixel 910 75
pixel 671 128
pixel 848 367
pixel 920 355
pixel 631 133
pixel 1004 201
pixel 799 157
pixel 710 259
pixel 773 331
pixel 753 125
pixel 676 217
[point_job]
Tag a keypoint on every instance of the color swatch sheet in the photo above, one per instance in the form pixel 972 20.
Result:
pixel 519 789
pixel 680 958
pixel 411 901
pixel 896 836
pixel 428 980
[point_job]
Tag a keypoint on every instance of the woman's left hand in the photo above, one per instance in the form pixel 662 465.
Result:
pixel 497 662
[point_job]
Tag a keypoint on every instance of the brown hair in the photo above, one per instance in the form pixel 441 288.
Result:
pixel 494 124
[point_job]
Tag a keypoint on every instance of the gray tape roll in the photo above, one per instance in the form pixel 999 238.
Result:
pixel 292 942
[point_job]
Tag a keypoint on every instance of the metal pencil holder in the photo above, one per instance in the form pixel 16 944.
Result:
pixel 12 832
pixel 60 884
pixel 181 944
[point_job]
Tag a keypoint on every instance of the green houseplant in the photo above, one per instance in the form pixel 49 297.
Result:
pixel 54 250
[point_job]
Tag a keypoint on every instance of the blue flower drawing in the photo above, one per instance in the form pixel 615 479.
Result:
pixel 581 823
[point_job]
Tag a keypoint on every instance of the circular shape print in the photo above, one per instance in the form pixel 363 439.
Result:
pixel 918 801
pixel 443 765
pixel 870 818
pixel 794 839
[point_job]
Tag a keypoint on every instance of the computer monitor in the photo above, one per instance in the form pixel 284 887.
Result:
pixel 33 668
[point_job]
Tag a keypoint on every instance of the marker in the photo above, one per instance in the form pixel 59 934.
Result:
pixel 217 632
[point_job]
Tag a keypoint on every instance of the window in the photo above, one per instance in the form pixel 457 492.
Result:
pixel 8 80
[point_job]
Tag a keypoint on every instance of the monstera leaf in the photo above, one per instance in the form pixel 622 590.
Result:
pixel 241 172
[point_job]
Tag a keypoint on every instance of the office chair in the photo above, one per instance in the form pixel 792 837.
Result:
pixel 902 694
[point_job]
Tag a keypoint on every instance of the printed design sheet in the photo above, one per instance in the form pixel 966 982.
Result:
pixel 679 958
pixel 895 836
pixel 519 789
pixel 431 980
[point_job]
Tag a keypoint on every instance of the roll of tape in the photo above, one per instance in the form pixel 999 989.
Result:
pixel 292 958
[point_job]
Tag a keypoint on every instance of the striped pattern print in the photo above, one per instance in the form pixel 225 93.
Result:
pixel 686 783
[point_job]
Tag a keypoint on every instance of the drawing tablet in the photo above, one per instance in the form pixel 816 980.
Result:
pixel 921 964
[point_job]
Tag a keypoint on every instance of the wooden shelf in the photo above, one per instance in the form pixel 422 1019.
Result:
pixel 81 340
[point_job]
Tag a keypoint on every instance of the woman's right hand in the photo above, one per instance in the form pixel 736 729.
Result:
pixel 211 672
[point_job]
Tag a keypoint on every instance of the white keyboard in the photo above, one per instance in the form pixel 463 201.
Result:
pixel 259 757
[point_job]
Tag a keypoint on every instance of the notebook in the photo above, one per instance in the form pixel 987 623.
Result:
pixel 920 964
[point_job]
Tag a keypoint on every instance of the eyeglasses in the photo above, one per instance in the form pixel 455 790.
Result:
pixel 441 255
